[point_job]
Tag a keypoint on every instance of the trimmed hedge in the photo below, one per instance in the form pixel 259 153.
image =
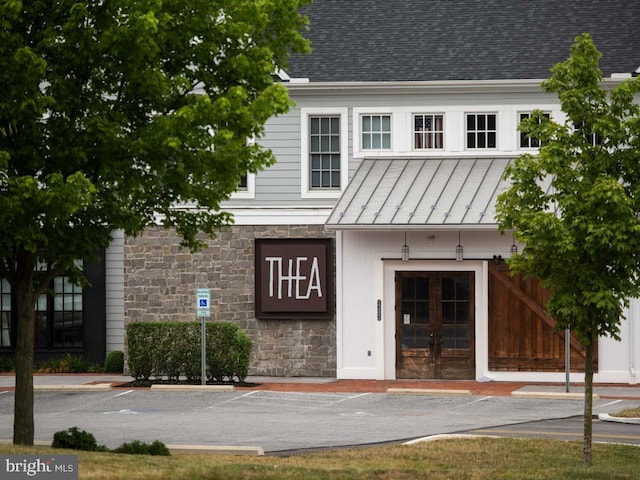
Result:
pixel 171 350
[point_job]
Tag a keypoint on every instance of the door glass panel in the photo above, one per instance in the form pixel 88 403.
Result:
pixel 448 288
pixel 422 288
pixel 462 288
pixel 448 312
pixel 422 313
pixel 408 289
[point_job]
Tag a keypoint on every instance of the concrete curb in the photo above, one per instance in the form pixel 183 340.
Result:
pixel 427 391
pixel 551 395
pixel 605 417
pixel 100 387
pixel 215 450
pixel 193 388
pixel 180 449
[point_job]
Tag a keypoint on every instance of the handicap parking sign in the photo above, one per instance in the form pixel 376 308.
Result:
pixel 202 302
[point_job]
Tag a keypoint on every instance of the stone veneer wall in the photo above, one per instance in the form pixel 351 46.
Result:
pixel 161 279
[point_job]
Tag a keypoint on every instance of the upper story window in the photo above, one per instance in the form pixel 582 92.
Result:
pixel 324 151
pixel 428 131
pixel 243 183
pixel 481 130
pixel 376 132
pixel 525 140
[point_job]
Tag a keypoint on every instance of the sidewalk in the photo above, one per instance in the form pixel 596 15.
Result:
pixel 325 384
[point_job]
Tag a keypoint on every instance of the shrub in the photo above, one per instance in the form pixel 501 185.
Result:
pixel 7 364
pixel 76 439
pixel 141 448
pixel 114 362
pixel 67 364
pixel 172 350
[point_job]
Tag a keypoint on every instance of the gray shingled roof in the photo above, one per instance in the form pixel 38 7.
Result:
pixel 430 40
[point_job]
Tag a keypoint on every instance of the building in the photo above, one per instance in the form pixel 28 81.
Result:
pixel 370 250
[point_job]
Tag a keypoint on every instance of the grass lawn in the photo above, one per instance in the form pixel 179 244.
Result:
pixel 461 459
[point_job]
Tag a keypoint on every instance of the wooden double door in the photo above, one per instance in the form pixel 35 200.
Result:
pixel 435 324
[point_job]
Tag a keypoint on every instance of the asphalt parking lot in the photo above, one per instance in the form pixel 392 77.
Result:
pixel 279 421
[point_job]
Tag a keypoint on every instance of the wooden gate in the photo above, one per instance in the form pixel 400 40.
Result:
pixel 521 336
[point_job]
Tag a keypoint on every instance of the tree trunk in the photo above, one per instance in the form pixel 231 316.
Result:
pixel 23 423
pixel 587 454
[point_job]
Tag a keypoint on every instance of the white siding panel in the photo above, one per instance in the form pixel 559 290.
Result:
pixel 114 285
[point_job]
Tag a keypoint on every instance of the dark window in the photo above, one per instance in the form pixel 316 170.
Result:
pixel 526 141
pixel 5 313
pixel 481 130
pixel 243 183
pixel 324 152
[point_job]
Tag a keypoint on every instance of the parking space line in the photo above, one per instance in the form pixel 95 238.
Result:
pixel 472 402
pixel 89 403
pixel 229 400
pixel 607 404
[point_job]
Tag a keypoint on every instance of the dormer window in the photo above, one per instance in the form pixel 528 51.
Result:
pixel 428 132
pixel 376 132
pixel 481 130
pixel 525 140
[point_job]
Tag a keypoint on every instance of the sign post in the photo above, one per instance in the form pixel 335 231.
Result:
pixel 203 311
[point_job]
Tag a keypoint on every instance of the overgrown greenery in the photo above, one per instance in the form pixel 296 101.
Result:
pixel 576 204
pixel 114 114
pixel 68 364
pixel 142 448
pixel 7 364
pixel 460 459
pixel 173 350
pixel 76 439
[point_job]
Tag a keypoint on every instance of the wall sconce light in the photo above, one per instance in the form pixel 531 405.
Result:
pixel 514 248
pixel 459 250
pixel 405 249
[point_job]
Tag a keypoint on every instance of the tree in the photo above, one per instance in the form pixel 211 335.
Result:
pixel 576 205
pixel 116 112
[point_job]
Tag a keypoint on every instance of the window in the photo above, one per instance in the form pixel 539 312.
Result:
pixel 243 183
pixel 481 130
pixel 5 313
pixel 376 132
pixel 526 141
pixel 428 131
pixel 324 152
pixel 59 321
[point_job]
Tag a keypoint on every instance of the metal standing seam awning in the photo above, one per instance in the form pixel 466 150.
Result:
pixel 414 193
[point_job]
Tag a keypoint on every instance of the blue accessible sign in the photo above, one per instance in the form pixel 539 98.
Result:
pixel 203 298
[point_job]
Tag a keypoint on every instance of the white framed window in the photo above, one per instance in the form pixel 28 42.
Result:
pixel 246 187
pixel 481 130
pixel 525 141
pixel 375 132
pixel 247 183
pixel 324 152
pixel 428 131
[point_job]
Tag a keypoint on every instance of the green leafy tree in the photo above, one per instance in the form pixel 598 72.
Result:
pixel 576 205
pixel 115 112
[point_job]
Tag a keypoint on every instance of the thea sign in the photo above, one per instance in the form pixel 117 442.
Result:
pixel 58 467
pixel 293 278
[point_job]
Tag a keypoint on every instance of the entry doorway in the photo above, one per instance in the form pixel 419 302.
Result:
pixel 435 325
